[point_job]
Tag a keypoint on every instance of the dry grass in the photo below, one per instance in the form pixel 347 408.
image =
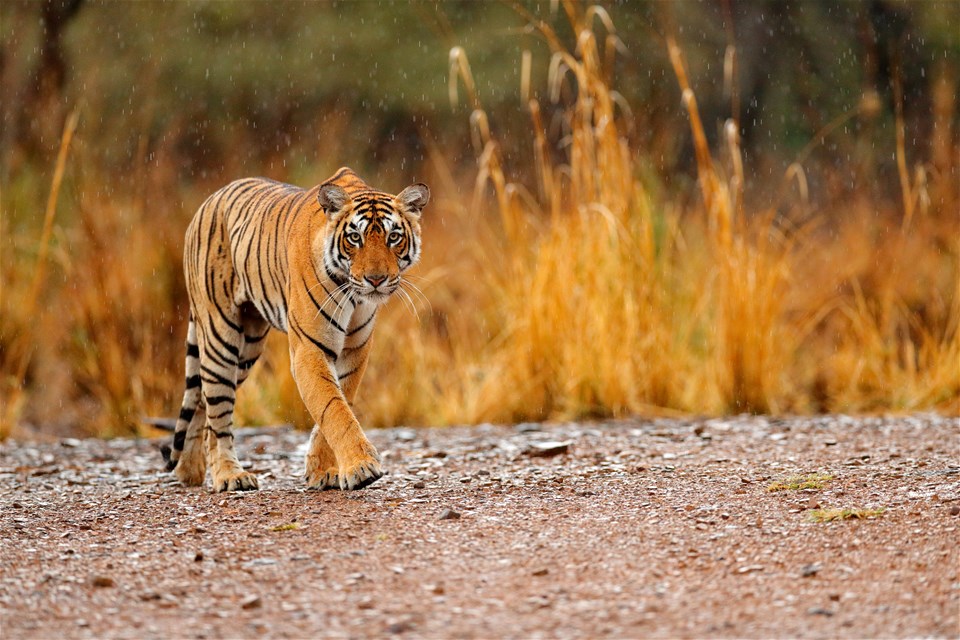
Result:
pixel 582 292
pixel 799 483
pixel 829 515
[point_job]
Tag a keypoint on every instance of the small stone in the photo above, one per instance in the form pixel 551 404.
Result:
pixel 813 502
pixel 819 611
pixel 251 602
pixel 449 514
pixel 955 510
pixel 70 443
pixel 399 627
pixel 419 484
pixel 103 581
pixel 830 442
pixel 541 572
pixel 198 557
pixel 548 449
pixel 810 570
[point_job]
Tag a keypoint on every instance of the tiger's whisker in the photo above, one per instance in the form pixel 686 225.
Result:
pixel 409 303
pixel 419 293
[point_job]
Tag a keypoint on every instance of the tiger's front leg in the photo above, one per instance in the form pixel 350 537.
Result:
pixel 337 441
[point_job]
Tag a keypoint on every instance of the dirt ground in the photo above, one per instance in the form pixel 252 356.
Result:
pixel 627 529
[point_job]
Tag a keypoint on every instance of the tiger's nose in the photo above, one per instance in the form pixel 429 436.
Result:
pixel 376 280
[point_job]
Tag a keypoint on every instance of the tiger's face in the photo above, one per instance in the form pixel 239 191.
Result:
pixel 372 237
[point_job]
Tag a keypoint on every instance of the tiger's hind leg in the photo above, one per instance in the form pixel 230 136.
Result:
pixel 187 457
pixel 221 341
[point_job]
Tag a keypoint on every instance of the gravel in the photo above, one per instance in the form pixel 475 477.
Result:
pixel 634 528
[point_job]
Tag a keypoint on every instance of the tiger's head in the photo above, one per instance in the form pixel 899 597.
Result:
pixel 372 238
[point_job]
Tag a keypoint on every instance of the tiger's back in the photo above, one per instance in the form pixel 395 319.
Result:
pixel 243 228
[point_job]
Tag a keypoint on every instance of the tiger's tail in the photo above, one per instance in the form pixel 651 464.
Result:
pixel 192 402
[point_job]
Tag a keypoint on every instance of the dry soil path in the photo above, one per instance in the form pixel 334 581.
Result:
pixel 623 529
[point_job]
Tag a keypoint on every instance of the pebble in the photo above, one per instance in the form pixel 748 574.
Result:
pixel 103 581
pixel 449 514
pixel 955 510
pixel 548 449
pixel 251 602
pixel 405 435
pixel 810 570
pixel 399 627
pixel 819 611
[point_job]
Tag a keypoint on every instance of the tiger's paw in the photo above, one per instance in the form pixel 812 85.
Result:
pixel 323 480
pixel 242 481
pixel 189 472
pixel 361 474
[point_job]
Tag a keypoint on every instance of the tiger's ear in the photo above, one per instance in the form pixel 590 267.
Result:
pixel 332 198
pixel 414 198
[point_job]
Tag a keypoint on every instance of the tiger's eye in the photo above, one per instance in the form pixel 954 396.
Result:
pixel 394 237
pixel 353 238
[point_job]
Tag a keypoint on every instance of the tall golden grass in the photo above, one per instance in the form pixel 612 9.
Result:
pixel 585 292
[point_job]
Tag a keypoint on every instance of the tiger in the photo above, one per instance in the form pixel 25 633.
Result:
pixel 316 264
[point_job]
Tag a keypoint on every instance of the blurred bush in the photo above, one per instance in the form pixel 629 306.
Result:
pixel 827 139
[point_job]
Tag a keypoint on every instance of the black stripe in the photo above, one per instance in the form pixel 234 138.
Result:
pixel 329 402
pixel 324 348
pixel 193 382
pixel 319 307
pixel 179 438
pixel 221 415
pixel 186 413
pixel 193 351
pixel 212 354
pixel 373 314
pixel 359 346
pixel 217 377
pixel 223 314
pixel 231 349
pixel 247 364
pixel 215 400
